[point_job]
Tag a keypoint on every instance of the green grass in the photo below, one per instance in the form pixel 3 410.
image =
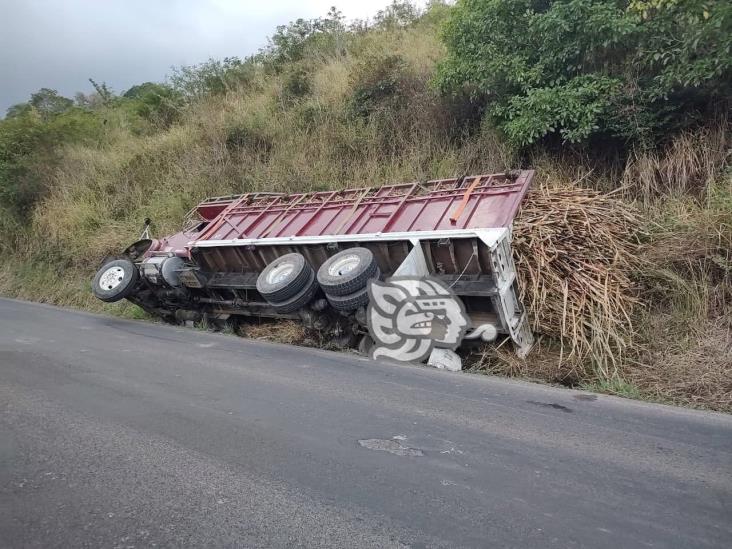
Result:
pixel 132 312
pixel 45 283
pixel 615 386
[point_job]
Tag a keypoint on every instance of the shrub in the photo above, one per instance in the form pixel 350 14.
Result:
pixel 294 41
pixel 253 134
pixel 399 13
pixel 156 103
pixel 296 84
pixel 378 82
pixel 19 137
pixel 213 77
pixel 585 68
pixel 28 149
pixel 49 103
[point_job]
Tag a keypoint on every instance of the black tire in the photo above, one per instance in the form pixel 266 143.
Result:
pixel 295 275
pixel 350 302
pixel 299 300
pixel 361 268
pixel 115 280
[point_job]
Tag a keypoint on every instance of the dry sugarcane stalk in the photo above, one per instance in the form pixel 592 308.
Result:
pixel 575 253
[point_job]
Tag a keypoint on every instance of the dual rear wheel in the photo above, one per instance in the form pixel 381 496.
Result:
pixel 345 276
pixel 289 282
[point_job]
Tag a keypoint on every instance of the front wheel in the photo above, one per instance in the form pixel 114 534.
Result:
pixel 115 280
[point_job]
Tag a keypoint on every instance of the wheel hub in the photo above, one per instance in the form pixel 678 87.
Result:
pixel 111 278
pixel 344 265
pixel 280 273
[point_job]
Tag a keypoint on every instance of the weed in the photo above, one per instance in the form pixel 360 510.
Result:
pixel 613 386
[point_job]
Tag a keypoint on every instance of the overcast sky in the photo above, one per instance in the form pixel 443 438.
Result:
pixel 60 44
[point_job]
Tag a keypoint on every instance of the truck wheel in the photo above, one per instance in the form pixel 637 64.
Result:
pixel 284 277
pixel 350 302
pixel 115 280
pixel 299 300
pixel 347 271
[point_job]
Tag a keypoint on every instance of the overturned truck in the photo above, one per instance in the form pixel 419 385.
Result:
pixel 309 256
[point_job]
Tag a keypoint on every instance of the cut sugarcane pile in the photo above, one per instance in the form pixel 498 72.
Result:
pixel 575 253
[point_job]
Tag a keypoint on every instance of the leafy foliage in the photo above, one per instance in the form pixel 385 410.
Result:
pixel 582 68
pixel 292 42
pixel 213 77
pixel 49 103
pixel 103 92
pixel 29 138
pixel 691 41
pixel 156 103
pixel 399 13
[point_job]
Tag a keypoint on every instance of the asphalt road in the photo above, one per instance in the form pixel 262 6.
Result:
pixel 117 433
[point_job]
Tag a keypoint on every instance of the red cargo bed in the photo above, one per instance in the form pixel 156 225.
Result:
pixel 471 202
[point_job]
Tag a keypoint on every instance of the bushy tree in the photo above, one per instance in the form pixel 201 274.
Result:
pixel 292 42
pixel 105 93
pixel 399 13
pixel 19 138
pixel 18 110
pixel 49 103
pixel 156 103
pixel 688 42
pixel 582 68
pixel 29 138
pixel 212 77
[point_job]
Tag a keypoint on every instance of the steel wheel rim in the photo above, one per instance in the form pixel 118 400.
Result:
pixel 111 278
pixel 280 273
pixel 344 265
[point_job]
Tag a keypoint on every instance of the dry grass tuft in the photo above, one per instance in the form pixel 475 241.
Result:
pixel 689 164
pixel 687 231
pixel 684 352
pixel 694 370
pixel 575 254
pixel 543 364
pixel 289 332
pixel 278 331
